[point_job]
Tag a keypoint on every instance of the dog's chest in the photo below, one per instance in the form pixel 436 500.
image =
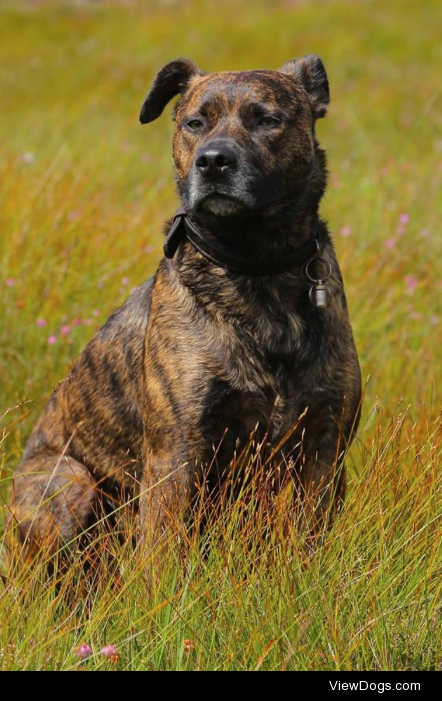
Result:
pixel 262 386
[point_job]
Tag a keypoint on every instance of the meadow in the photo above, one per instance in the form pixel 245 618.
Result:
pixel 84 192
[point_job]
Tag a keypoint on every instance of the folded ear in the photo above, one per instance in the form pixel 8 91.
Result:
pixel 172 79
pixel 311 73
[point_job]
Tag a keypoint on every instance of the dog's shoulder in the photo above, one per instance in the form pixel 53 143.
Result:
pixel 110 365
pixel 113 358
pixel 103 387
pixel 131 318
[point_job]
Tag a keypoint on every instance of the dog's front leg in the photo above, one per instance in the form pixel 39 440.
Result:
pixel 322 476
pixel 166 492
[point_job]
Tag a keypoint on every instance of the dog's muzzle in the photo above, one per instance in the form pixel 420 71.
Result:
pixel 218 181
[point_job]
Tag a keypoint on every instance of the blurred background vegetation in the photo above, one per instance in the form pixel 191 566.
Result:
pixel 85 189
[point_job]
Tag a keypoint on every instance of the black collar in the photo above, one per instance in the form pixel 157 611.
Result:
pixel 183 227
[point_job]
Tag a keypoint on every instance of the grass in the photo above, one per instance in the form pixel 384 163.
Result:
pixel 84 192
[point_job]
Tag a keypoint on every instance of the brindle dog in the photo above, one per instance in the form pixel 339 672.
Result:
pixel 207 345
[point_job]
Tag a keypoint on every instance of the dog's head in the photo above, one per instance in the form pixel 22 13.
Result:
pixel 244 141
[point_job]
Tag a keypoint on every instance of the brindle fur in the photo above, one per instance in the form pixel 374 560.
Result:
pixel 198 348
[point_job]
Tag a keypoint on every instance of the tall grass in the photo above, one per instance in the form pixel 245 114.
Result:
pixel 84 192
pixel 245 594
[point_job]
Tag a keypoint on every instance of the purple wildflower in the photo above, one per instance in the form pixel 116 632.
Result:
pixel 411 282
pixel 83 651
pixel 111 652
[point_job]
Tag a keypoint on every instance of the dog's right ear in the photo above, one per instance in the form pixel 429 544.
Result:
pixel 172 79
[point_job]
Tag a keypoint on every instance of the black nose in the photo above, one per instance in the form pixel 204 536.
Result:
pixel 215 160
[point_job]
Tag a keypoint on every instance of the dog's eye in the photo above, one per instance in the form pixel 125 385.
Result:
pixel 269 121
pixel 195 124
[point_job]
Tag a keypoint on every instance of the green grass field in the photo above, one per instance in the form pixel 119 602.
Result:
pixel 84 192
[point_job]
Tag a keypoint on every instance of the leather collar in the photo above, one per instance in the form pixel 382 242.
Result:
pixel 183 227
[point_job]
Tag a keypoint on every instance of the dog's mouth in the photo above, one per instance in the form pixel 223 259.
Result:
pixel 222 205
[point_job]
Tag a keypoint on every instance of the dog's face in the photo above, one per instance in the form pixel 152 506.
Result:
pixel 244 141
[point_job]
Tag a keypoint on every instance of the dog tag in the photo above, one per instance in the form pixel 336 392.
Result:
pixel 318 291
pixel 318 295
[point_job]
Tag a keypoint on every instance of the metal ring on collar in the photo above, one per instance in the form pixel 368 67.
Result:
pixel 322 260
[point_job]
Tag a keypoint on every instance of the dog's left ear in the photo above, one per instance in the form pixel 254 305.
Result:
pixel 311 73
pixel 172 79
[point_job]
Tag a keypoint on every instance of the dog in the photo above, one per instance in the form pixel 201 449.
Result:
pixel 243 328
